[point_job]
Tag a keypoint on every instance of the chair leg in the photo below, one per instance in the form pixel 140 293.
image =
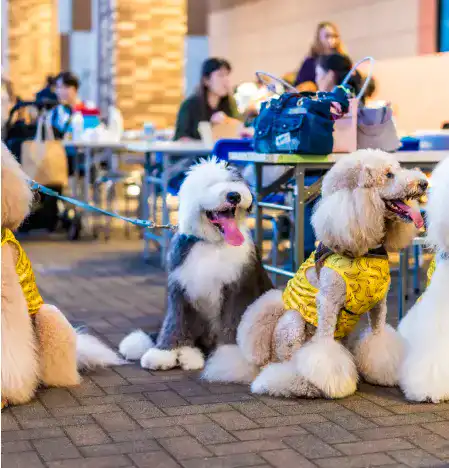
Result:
pixel 110 195
pixel 417 269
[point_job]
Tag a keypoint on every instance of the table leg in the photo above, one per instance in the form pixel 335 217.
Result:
pixel 299 217
pixel 402 293
pixel 258 234
pixel 145 204
pixel 87 183
pixel 165 213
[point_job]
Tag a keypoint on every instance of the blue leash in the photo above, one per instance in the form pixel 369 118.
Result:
pixel 85 206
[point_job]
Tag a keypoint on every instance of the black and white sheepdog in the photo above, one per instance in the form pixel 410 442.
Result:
pixel 214 272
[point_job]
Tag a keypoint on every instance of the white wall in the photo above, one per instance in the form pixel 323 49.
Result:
pixel 196 51
pixel 4 15
pixel 83 50
pixel 275 36
pixel 418 89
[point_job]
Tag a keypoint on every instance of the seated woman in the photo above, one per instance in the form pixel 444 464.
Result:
pixel 212 102
pixel 332 69
pixel 327 41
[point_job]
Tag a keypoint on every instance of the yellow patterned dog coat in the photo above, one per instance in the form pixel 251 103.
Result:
pixel 367 282
pixel 25 273
pixel 26 278
pixel 431 270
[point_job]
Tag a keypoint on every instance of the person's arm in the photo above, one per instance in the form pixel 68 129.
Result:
pixel 186 129
pixel 306 72
pixel 234 112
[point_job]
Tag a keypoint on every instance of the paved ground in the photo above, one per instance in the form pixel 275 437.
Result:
pixel 127 417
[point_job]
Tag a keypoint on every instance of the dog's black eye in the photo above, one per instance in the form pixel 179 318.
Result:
pixel 390 175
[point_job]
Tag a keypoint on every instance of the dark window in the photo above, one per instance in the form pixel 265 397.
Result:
pixel 443 26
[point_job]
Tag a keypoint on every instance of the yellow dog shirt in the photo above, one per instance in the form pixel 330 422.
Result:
pixel 367 282
pixel 25 272
pixel 431 270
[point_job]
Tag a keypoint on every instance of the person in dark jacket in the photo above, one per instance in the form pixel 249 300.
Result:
pixel 212 101
pixel 327 41
pixel 48 92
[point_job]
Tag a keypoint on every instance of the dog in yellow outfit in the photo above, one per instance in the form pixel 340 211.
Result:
pixel 39 345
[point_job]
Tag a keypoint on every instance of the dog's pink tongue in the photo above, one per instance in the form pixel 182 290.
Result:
pixel 232 234
pixel 413 213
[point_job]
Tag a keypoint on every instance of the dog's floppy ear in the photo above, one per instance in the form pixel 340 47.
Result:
pixel 250 208
pixel 367 176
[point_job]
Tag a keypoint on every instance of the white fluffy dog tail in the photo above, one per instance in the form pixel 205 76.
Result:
pixel 135 345
pixel 91 352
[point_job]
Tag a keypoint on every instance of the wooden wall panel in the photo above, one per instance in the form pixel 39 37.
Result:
pixel 149 60
pixel 33 44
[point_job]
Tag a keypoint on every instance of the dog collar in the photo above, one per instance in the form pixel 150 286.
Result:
pixel 323 251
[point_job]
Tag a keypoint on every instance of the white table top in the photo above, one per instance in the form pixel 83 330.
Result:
pixel 171 147
pixel 409 157
pixel 117 145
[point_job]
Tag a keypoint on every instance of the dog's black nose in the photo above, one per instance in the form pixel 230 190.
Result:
pixel 423 185
pixel 233 198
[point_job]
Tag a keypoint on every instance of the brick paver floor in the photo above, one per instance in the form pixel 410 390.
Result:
pixel 128 417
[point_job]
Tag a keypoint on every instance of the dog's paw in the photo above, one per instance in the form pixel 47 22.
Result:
pixel 163 359
pixel 190 358
pixel 134 346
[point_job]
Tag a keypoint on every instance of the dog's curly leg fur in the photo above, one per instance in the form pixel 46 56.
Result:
pixel 324 362
pixel 379 352
pixel 257 326
pixel 20 364
pixel 57 348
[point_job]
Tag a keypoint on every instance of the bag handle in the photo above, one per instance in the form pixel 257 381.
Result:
pixel 44 118
pixel 49 133
pixel 367 79
pixel 39 128
pixel 286 85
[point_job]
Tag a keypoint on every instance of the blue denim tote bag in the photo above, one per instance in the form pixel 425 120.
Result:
pixel 299 123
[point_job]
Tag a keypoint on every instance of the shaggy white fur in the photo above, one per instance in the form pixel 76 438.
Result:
pixel 378 356
pixel 91 352
pixel 220 264
pixel 227 364
pixel 155 359
pixel 205 189
pixel 424 373
pixel 135 345
pixel 327 364
pixel 190 358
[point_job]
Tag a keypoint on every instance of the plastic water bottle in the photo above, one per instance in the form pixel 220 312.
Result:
pixel 115 123
pixel 77 126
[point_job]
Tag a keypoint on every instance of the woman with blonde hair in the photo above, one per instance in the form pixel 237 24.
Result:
pixel 327 41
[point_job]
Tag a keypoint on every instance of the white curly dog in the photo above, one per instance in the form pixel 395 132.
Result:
pixel 424 373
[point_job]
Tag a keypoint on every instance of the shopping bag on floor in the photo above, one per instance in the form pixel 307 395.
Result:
pixel 44 159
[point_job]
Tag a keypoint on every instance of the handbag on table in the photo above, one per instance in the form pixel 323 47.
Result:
pixel 299 123
pixel 365 127
pixel 376 129
pixel 44 159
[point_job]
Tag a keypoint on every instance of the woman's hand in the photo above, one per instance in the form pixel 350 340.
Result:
pixel 218 117
pixel 246 132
